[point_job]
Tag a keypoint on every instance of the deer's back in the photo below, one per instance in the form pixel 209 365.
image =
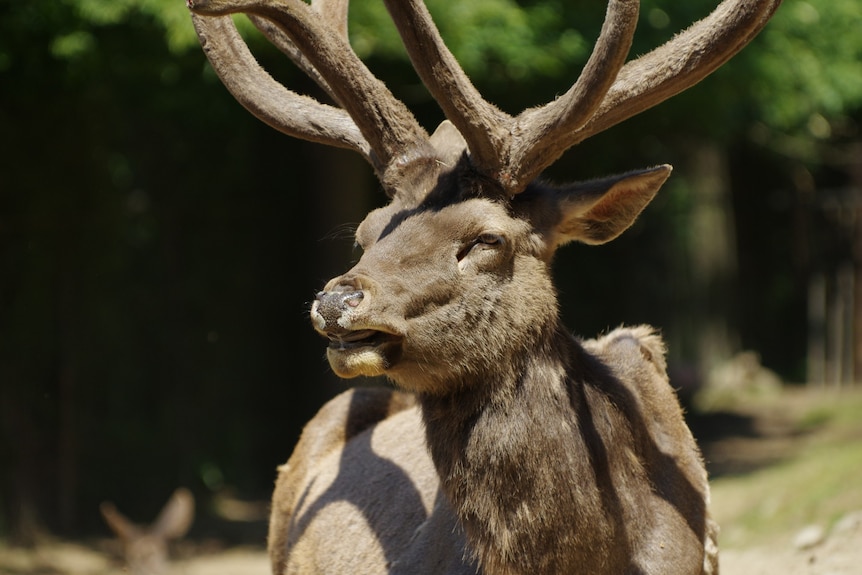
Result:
pixel 642 396
pixel 365 500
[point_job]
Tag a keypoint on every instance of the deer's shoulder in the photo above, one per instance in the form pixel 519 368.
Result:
pixel 631 351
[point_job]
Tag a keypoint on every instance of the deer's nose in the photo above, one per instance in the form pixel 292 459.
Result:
pixel 331 305
pixel 340 299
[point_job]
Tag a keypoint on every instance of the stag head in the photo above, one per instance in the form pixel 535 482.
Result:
pixel 473 185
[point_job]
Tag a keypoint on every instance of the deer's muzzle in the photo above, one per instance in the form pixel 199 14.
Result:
pixel 329 309
pixel 356 347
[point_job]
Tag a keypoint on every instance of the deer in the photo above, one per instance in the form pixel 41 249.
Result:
pixel 145 548
pixel 503 443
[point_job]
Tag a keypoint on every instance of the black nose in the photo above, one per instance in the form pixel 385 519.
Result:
pixel 332 304
pixel 340 299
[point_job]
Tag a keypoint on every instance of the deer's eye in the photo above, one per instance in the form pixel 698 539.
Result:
pixel 491 240
pixel 483 240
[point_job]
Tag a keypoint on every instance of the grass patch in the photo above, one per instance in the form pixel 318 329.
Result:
pixel 819 481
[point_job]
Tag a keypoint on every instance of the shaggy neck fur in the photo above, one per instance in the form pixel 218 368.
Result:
pixel 522 461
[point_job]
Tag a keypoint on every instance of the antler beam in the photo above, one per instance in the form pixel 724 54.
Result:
pixel 388 129
pixel 485 128
pixel 295 115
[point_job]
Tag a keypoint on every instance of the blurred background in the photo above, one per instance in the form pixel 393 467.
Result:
pixel 159 246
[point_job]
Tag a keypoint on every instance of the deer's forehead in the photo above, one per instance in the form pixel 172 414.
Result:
pixel 450 222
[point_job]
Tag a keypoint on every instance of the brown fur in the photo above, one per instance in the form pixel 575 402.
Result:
pixel 544 454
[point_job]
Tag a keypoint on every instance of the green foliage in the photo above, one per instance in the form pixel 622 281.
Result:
pixel 172 15
pixel 488 37
pixel 809 64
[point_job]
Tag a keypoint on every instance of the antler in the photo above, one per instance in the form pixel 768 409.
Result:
pixel 499 144
pixel 651 79
pixel 510 150
pixel 372 122
pixel 514 151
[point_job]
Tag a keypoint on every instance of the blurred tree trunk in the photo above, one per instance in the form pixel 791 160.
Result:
pixel 835 277
pixel 712 256
pixel 21 489
pixel 855 171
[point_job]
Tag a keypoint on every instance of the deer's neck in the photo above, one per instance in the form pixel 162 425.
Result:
pixel 514 458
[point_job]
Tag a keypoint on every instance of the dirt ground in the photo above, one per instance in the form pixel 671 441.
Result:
pixel 787 491
pixel 787 482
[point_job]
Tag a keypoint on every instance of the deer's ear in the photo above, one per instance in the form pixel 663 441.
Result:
pixel 598 211
pixel 119 523
pixel 448 142
pixel 176 516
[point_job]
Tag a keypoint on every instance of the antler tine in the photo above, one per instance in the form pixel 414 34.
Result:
pixel 281 41
pixel 541 128
pixel 333 11
pixel 647 81
pixel 272 103
pixel 392 133
pixel 490 133
pixel 485 128
pixel 680 63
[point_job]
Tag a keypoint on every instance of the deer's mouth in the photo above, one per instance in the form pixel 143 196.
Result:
pixel 360 338
pixel 366 352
